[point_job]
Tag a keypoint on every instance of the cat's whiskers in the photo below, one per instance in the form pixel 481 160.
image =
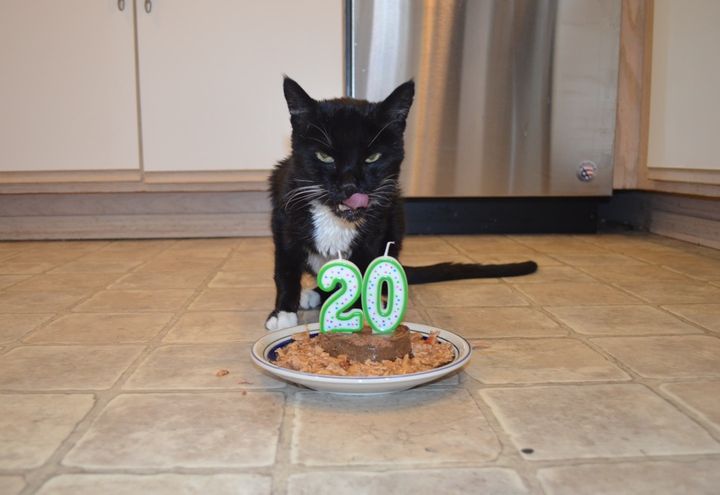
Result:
pixel 303 194
pixel 324 133
pixel 380 132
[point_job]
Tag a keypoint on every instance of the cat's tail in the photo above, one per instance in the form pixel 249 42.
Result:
pixel 459 271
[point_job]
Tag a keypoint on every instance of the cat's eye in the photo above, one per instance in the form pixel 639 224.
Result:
pixel 324 157
pixel 373 158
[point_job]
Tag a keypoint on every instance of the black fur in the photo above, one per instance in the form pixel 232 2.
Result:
pixel 350 131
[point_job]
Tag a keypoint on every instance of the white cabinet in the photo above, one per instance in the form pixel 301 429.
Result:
pixel 199 90
pixel 67 86
pixel 211 78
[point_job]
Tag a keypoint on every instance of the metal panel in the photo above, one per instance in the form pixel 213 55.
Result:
pixel 512 96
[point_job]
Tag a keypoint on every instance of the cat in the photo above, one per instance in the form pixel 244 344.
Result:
pixel 337 194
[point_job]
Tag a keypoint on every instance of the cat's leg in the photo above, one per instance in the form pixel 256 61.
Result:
pixel 311 298
pixel 288 272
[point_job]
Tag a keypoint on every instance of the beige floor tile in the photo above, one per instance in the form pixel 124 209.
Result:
pixel 218 326
pixel 540 360
pixel 666 357
pixel 13 327
pixel 550 274
pixel 701 397
pixel 639 273
pixel 456 294
pixel 11 485
pixel 39 301
pixel 163 280
pixel 162 263
pixel 244 299
pixel 488 481
pixel 249 261
pixel 704 269
pixel 178 367
pixel 574 294
pixel 555 245
pixel 706 315
pixel 165 431
pixel 33 426
pixel 485 243
pixel 135 246
pixel 598 259
pixel 664 292
pixel 101 328
pixel 501 257
pixel 696 477
pixel 12 267
pixel 248 278
pixel 10 280
pixel 417 259
pixel 161 300
pixel 577 422
pixel 62 281
pixel 253 244
pixel 391 429
pixel 424 245
pixel 478 323
pixel 65 367
pixel 620 320
pixel 97 266
pixel 158 484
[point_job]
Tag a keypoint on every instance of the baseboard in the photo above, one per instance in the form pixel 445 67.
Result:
pixel 237 214
pixel 134 215
pixel 689 218
pixel 501 215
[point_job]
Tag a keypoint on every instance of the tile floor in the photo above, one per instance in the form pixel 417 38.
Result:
pixel 600 374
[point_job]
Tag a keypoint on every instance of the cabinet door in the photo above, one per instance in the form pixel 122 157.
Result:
pixel 67 86
pixel 211 78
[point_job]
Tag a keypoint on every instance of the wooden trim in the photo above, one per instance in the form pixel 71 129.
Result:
pixel 631 83
pixel 685 175
pixel 108 181
pixel 69 176
pixel 205 177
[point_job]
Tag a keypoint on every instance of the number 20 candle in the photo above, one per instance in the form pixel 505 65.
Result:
pixel 383 316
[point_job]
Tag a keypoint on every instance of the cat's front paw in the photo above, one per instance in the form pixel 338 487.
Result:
pixel 280 320
pixel 309 299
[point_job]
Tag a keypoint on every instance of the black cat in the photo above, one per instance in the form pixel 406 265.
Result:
pixel 338 193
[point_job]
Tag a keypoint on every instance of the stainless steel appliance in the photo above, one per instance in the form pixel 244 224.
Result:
pixel 513 97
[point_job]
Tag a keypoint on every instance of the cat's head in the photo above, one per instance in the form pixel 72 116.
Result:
pixel 347 152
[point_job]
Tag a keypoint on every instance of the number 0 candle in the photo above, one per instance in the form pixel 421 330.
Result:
pixel 385 271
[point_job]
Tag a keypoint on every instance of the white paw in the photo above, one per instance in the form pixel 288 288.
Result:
pixel 283 319
pixel 309 299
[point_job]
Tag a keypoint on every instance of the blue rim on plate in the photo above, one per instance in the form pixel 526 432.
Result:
pixel 263 352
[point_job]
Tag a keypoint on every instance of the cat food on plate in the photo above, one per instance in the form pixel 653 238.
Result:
pixel 346 357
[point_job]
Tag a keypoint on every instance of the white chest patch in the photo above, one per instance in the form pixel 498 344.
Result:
pixel 333 235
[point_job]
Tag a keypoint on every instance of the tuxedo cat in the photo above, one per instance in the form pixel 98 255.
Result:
pixel 338 194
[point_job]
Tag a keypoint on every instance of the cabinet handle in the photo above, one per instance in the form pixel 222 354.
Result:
pixel 148 6
pixel 121 5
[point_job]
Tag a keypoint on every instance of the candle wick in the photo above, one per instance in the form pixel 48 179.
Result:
pixel 340 255
pixel 387 247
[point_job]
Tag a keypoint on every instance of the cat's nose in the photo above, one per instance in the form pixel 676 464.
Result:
pixel 349 189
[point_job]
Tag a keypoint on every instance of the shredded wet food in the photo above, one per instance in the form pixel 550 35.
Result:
pixel 306 355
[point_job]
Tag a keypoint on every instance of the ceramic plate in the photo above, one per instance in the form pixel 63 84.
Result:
pixel 263 351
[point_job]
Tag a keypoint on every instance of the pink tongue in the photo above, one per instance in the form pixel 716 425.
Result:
pixel 357 200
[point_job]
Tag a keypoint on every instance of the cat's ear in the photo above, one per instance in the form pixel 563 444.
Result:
pixel 297 99
pixel 397 105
